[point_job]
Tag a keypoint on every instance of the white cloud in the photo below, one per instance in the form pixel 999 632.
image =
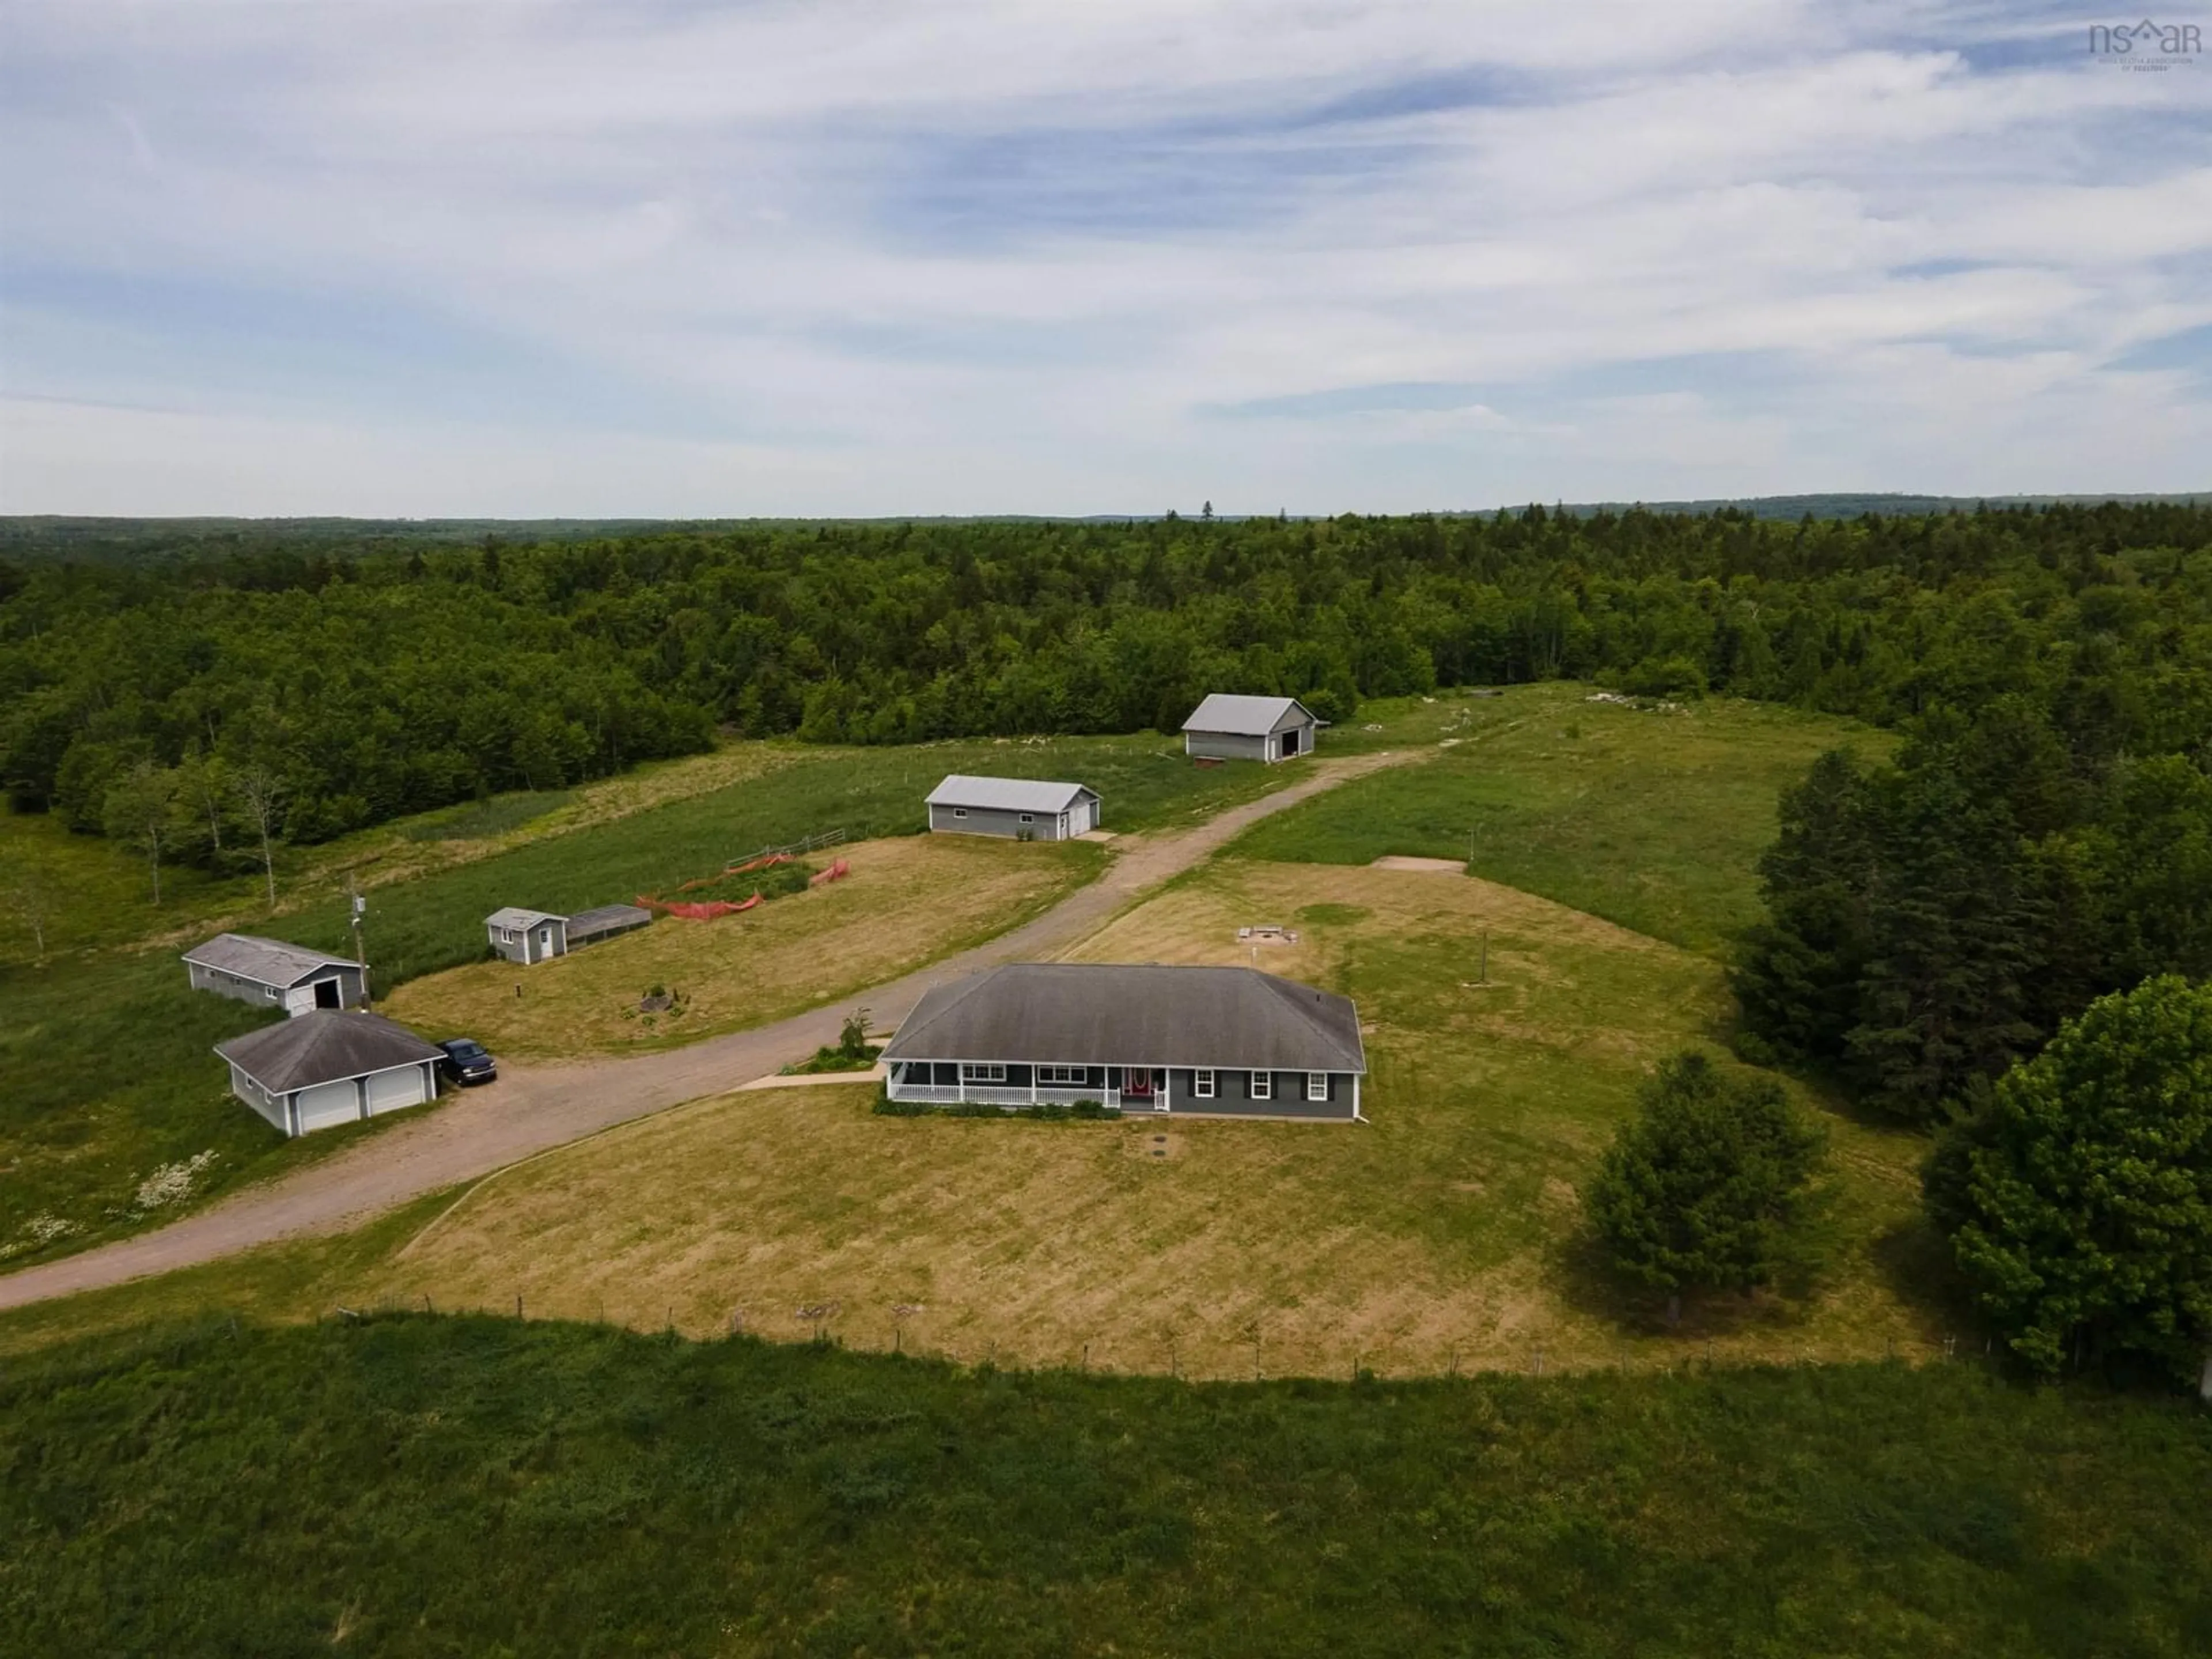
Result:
pixel 589 258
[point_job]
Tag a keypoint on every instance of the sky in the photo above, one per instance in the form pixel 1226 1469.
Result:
pixel 669 258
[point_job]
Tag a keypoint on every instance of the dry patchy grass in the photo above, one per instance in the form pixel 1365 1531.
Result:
pixel 1443 1234
pixel 907 901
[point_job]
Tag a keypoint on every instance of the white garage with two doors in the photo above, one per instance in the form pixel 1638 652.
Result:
pixel 328 1067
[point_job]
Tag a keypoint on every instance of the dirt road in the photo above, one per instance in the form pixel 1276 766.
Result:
pixel 533 1108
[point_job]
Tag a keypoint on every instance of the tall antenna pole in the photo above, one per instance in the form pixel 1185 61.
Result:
pixel 357 904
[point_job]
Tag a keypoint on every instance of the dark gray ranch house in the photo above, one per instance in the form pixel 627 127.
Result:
pixel 268 973
pixel 1216 1041
pixel 528 936
pixel 328 1067
pixel 1225 727
pixel 1020 807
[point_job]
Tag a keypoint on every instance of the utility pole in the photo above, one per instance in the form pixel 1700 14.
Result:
pixel 358 905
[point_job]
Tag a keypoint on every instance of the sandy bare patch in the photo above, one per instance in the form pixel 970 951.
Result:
pixel 1425 866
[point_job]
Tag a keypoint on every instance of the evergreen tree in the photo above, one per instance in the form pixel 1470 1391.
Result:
pixel 2078 1194
pixel 1797 973
pixel 1711 1186
pixel 1953 925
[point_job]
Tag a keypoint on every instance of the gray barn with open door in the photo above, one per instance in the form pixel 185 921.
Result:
pixel 270 974
pixel 1225 727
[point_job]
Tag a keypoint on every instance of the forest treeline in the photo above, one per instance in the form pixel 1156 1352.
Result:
pixel 353 689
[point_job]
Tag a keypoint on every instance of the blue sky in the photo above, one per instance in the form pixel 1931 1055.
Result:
pixel 574 257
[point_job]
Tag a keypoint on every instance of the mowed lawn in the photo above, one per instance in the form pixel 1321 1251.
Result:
pixel 1443 1234
pixel 907 902
pixel 1654 818
pixel 105 1052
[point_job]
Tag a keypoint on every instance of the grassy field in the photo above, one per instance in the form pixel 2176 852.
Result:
pixel 1444 1233
pixel 415 1486
pixel 907 901
pixel 1651 818
pixel 105 1051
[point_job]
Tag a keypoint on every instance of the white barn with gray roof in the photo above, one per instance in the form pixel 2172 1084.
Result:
pixel 268 973
pixel 1208 1042
pixel 1225 727
pixel 1022 808
pixel 329 1067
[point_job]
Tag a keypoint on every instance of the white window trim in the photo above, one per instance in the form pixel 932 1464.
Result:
pixel 1263 1085
pixel 1316 1086
pixel 271 992
pixel 1029 817
pixel 1201 1085
pixel 982 1072
pixel 1070 1077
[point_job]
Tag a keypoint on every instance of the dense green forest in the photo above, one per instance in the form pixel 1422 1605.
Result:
pixel 419 1484
pixel 351 687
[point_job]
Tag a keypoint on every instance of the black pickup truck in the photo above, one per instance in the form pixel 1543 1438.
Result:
pixel 467 1061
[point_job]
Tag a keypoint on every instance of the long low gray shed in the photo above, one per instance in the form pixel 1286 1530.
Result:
pixel 1210 1041
pixel 269 973
pixel 1024 809
pixel 1225 727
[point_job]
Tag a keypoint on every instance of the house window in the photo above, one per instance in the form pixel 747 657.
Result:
pixel 1263 1085
pixel 959 811
pixel 1029 817
pixel 982 1073
pixel 507 936
pixel 1068 1074
pixel 269 992
pixel 1316 1086
pixel 1201 1085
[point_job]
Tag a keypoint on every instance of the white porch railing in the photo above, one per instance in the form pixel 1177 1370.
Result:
pixel 999 1094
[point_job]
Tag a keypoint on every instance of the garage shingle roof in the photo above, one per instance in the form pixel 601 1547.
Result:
pixel 1006 794
pixel 1242 717
pixel 264 961
pixel 1113 1014
pixel 323 1047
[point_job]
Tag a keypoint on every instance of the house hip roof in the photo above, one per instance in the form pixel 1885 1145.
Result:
pixel 1128 1014
pixel 264 961
pixel 1242 717
pixel 1006 794
pixel 326 1045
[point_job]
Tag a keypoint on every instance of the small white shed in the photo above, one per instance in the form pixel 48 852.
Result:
pixel 527 936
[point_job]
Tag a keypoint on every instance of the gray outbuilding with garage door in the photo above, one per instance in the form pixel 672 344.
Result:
pixel 270 973
pixel 1225 727
pixel 330 1067
pixel 1023 809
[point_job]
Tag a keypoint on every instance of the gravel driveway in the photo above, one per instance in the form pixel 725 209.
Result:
pixel 532 1109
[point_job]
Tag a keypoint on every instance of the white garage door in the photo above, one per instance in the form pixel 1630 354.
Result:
pixel 1078 817
pixel 389 1090
pixel 328 1103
